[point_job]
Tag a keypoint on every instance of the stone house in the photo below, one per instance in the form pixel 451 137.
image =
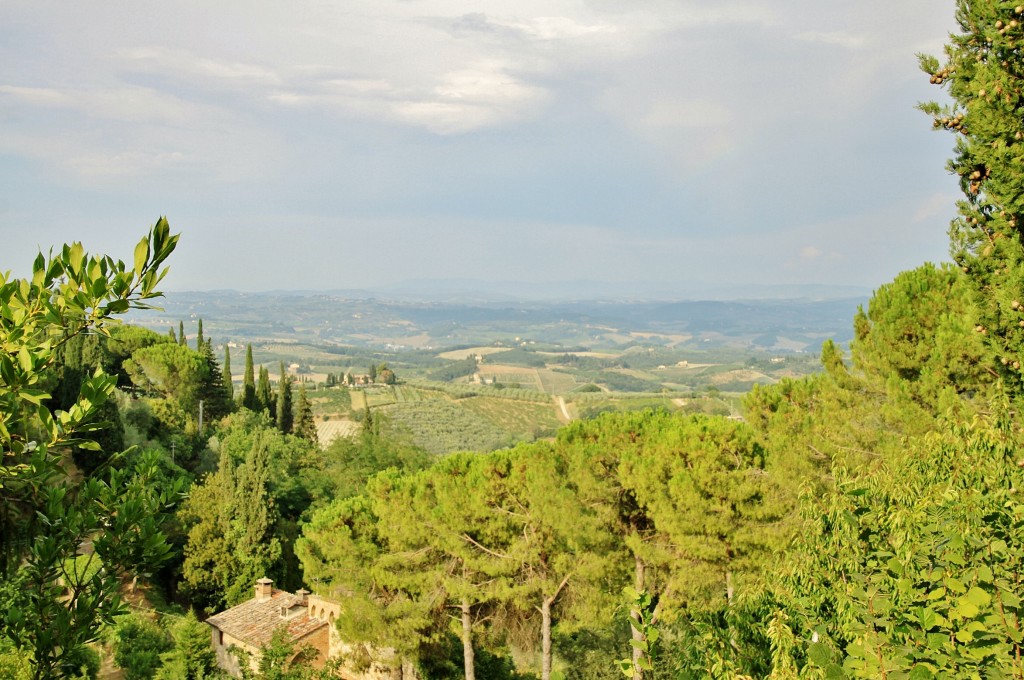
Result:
pixel 251 625
pixel 308 621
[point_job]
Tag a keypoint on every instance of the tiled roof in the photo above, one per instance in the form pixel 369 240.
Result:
pixel 254 621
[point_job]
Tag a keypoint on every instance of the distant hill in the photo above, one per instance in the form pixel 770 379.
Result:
pixel 354 319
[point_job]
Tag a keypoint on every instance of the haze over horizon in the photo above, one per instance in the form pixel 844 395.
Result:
pixel 319 146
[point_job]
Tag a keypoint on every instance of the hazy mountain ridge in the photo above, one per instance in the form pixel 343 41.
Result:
pixel 340 318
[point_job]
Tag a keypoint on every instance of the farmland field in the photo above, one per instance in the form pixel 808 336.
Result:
pixel 460 354
pixel 520 417
pixel 329 430
pixel 441 426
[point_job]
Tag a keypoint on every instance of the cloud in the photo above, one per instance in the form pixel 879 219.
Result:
pixel 544 28
pixel 480 95
pixel 810 253
pixel 193 67
pixel 126 103
pixel 838 38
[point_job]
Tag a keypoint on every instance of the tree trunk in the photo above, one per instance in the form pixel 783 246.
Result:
pixel 728 598
pixel 545 617
pixel 467 641
pixel 634 615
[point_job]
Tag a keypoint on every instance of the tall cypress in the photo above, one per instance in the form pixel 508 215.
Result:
pixel 182 340
pixel 264 398
pixel 199 337
pixel 211 390
pixel 305 427
pixel 249 382
pixel 229 387
pixel 285 417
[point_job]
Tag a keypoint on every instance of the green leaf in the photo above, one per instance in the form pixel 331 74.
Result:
pixel 985 574
pixel 141 254
pixel 921 672
pixel 819 654
pixel 25 359
pixel 978 597
pixel 955 585
pixel 966 609
pixel 835 672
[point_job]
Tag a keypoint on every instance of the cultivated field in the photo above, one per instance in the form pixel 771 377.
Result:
pixel 329 430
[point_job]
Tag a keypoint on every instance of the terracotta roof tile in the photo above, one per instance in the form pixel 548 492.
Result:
pixel 254 621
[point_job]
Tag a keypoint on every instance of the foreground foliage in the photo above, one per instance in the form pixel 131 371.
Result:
pixel 65 545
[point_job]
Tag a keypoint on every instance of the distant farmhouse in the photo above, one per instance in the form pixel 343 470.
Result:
pixel 308 620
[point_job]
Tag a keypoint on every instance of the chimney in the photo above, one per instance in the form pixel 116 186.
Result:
pixel 301 593
pixel 264 589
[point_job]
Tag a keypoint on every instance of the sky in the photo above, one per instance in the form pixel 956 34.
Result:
pixel 324 145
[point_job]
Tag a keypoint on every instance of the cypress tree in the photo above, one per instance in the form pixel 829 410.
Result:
pixel 264 398
pixel 285 417
pixel 249 382
pixel 211 390
pixel 182 340
pixel 170 331
pixel 199 337
pixel 373 372
pixel 229 387
pixel 305 427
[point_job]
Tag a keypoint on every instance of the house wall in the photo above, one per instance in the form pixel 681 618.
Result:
pixel 222 642
pixel 380 667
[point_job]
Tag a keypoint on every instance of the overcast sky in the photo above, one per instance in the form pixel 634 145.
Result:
pixel 353 143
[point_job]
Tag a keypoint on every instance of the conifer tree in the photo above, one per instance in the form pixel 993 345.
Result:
pixel 264 397
pixel 249 382
pixel 229 386
pixel 305 427
pixel 373 372
pixel 285 417
pixel 182 340
pixel 211 390
pixel 983 74
pixel 170 332
pixel 199 337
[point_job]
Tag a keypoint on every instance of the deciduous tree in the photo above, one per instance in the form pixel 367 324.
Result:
pixel 44 514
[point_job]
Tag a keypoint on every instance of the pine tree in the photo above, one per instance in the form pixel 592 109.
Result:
pixel 199 337
pixel 983 73
pixel 285 417
pixel 229 386
pixel 305 427
pixel 249 383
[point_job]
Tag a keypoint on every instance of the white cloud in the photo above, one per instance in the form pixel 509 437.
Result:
pixel 126 104
pixel 191 66
pixel 839 38
pixel 810 253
